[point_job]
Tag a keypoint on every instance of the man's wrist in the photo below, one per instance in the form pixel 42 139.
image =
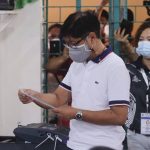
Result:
pixel 79 115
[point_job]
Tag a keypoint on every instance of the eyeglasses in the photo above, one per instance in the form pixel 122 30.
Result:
pixel 74 44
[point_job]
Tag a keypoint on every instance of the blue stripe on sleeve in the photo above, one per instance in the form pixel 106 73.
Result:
pixel 65 86
pixel 118 102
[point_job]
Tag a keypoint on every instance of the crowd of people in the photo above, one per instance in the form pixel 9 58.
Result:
pixel 103 92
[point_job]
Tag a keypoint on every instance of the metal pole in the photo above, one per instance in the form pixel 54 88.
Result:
pixel 44 55
pixel 114 10
pixel 78 5
pixel 123 9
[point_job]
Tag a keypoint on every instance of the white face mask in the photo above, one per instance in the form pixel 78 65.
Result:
pixel 143 49
pixel 79 53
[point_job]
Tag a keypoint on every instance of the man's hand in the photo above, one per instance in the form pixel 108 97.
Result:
pixel 22 94
pixel 65 111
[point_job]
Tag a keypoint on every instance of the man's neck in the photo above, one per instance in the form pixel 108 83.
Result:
pixel 99 51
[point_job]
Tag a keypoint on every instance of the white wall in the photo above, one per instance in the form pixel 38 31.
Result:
pixel 20 67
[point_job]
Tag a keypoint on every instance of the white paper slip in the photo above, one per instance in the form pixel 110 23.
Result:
pixel 38 100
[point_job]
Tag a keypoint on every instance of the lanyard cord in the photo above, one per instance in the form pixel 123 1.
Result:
pixel 148 84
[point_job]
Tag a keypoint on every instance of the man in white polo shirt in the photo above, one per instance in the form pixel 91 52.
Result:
pixel 98 83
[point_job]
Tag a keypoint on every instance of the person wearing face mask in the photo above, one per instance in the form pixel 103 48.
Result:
pixel 138 135
pixel 98 83
pixel 56 67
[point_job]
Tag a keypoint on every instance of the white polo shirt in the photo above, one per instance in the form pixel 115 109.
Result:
pixel 97 85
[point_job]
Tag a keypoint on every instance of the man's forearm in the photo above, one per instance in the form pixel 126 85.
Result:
pixel 105 117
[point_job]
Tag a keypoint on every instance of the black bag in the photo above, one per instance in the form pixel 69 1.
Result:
pixel 41 133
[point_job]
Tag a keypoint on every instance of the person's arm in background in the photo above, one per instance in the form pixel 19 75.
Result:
pixel 100 8
pixel 129 50
pixel 54 63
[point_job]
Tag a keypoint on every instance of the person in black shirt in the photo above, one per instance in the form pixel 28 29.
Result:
pixel 138 122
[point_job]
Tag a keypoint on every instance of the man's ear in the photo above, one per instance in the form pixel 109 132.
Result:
pixel 92 35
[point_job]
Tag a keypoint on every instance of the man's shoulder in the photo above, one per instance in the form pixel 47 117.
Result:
pixel 75 66
pixel 115 59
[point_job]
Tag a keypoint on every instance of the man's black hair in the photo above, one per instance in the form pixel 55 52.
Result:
pixel 105 14
pixel 80 23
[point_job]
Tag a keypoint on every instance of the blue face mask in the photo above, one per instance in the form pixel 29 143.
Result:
pixel 79 53
pixel 143 49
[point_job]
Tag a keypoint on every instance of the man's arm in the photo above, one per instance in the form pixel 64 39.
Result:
pixel 58 98
pixel 116 115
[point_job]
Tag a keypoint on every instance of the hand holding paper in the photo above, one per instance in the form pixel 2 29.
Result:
pixel 27 96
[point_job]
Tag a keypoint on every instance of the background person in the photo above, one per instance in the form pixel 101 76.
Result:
pixel 124 36
pixel 57 67
pixel 103 17
pixel 127 45
pixel 98 110
pixel 54 31
pixel 58 63
pixel 53 35
pixel 104 31
pixel 138 136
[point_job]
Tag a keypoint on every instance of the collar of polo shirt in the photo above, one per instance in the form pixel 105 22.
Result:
pixel 102 55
